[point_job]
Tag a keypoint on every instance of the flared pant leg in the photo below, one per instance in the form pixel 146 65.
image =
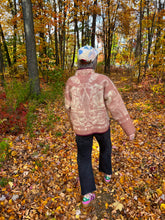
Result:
pixel 84 145
pixel 104 140
pixel 84 160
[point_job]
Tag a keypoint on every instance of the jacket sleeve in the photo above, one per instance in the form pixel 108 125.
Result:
pixel 67 95
pixel 116 106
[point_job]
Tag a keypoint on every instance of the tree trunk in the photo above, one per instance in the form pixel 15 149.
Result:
pixel 87 37
pixel 105 44
pixel 15 35
pixel 109 39
pixel 150 36
pixel 30 47
pixel 77 31
pixel 42 32
pixel 14 13
pixel 5 46
pixel 55 35
pixel 158 33
pixel 75 23
pixel 42 51
pixel 140 41
pixel 1 66
pixel 76 34
pixel 74 53
pixel 94 26
pixel 64 33
pixel 110 29
pixel 74 50
pixel 60 35
pixel 82 29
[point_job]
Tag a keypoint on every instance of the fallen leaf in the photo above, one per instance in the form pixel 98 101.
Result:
pixel 14 197
pixel 106 205
pixel 2 198
pixel 162 207
pixel 117 206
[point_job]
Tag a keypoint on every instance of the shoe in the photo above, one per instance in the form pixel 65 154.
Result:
pixel 107 178
pixel 87 199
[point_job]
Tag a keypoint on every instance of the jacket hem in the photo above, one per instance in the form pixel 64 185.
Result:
pixel 91 132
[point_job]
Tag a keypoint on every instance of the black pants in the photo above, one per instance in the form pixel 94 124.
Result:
pixel 84 145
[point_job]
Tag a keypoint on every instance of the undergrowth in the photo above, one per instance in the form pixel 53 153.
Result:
pixel 4 151
pixel 18 109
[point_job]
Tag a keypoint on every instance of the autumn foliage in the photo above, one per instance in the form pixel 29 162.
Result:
pixel 12 121
pixel 38 154
pixel 40 172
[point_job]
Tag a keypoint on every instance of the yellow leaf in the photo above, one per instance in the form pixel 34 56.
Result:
pixel 135 121
pixel 10 184
pixel 52 146
pixel 23 202
pixel 50 133
pixel 44 202
pixel 95 147
pixel 122 179
pixel 12 128
pixel 106 205
pixel 58 208
pixel 10 202
pixel 16 175
pixel 117 206
pixel 162 207
pixel 13 153
pixel 69 190
pixel 159 192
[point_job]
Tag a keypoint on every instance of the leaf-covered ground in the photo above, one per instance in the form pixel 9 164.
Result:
pixel 42 170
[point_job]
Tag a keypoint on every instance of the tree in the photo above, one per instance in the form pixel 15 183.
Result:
pixel 40 17
pixel 30 47
pixel 1 65
pixel 55 33
pixel 140 38
pixel 94 25
pixel 13 9
pixel 64 35
pixel 76 32
pixel 109 24
pixel 5 46
pixel 150 34
pixel 61 27
pixel 159 32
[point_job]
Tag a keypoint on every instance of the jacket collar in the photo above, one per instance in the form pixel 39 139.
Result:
pixel 87 71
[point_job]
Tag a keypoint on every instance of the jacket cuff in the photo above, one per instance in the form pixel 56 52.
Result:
pixel 128 127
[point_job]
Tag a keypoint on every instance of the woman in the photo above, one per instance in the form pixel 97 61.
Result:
pixel 89 97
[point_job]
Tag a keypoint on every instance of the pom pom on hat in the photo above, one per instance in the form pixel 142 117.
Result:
pixel 87 53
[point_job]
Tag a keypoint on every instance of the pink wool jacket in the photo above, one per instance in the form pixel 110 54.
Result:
pixel 89 97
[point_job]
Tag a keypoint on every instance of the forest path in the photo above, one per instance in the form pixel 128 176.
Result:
pixel 43 169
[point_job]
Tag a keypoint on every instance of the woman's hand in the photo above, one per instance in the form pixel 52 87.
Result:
pixel 131 137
